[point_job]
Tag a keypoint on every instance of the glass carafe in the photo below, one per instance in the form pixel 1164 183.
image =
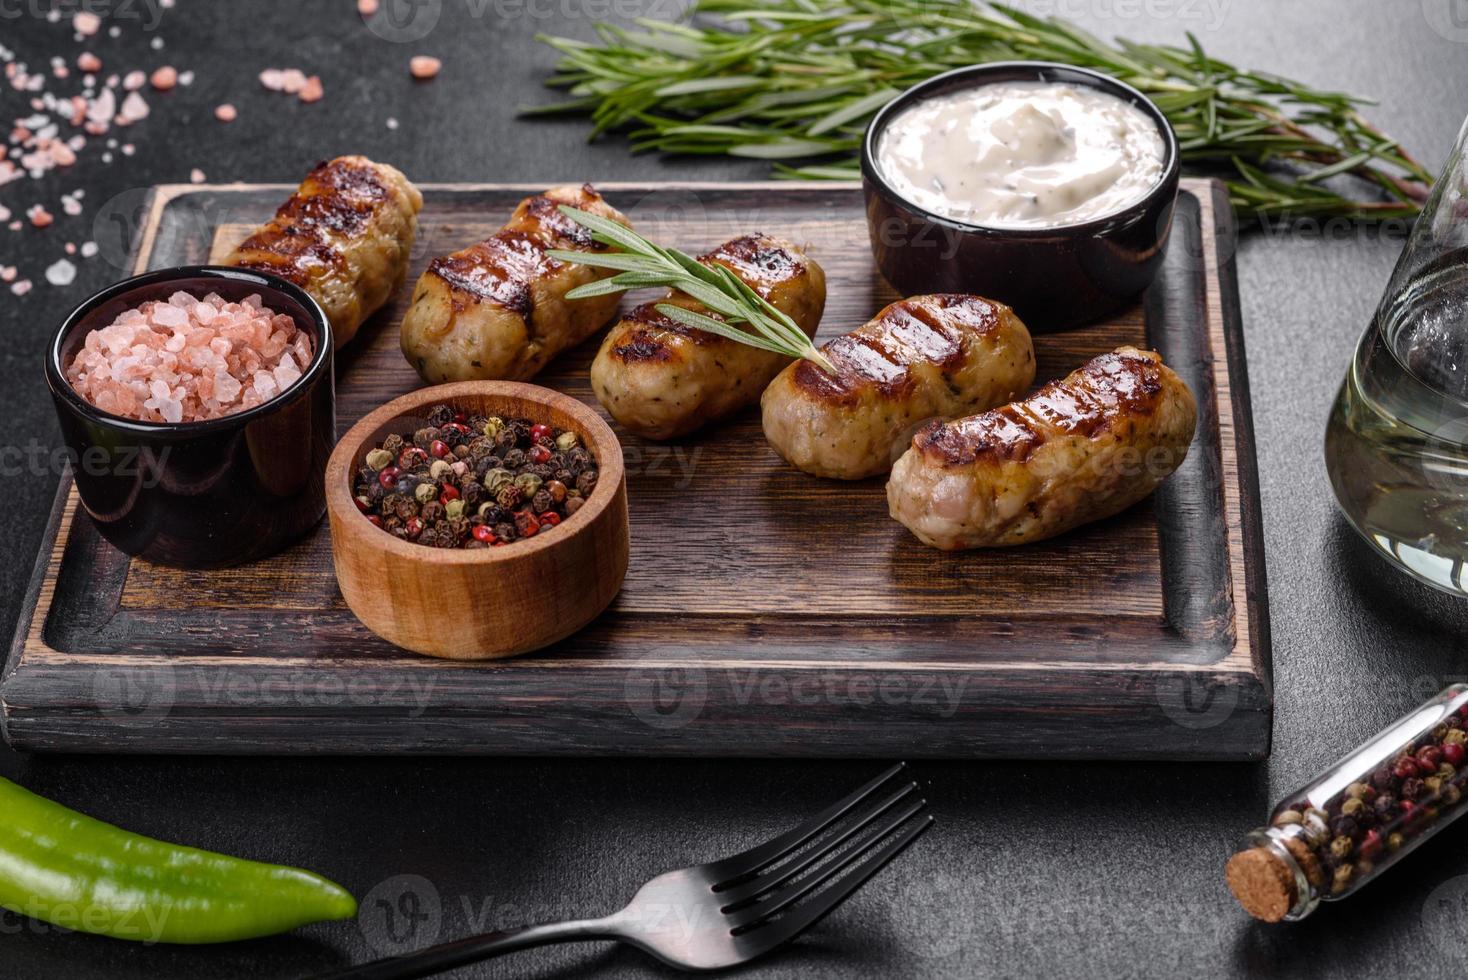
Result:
pixel 1396 446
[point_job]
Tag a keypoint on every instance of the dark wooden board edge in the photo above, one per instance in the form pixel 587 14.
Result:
pixel 1216 713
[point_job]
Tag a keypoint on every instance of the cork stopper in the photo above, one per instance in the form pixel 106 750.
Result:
pixel 1263 883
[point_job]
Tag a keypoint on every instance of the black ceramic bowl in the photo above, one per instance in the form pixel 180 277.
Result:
pixel 1054 278
pixel 201 494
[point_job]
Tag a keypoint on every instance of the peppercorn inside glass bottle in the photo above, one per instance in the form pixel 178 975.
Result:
pixel 1360 816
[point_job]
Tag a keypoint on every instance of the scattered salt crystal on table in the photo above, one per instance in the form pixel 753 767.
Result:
pixel 89 249
pixel 156 44
pixel 21 288
pixel 292 80
pixel 225 113
pixel 86 61
pixel 39 216
pixel 86 23
pixel 312 90
pixel 424 66
pixel 392 123
pixel 190 358
pixel 134 80
pixel 273 79
pixel 196 176
pixel 133 108
pixel 60 273
pixel 164 78
pixel 366 7
pixel 7 273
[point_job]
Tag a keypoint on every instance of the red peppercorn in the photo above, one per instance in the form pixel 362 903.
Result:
pixel 1406 806
pixel 1371 844
pixel 483 532
pixel 539 454
pixel 1463 710
pixel 549 517
pixel 459 427
pixel 1453 753
pixel 540 431
pixel 438 448
pixel 375 520
pixel 363 504
pixel 1404 769
pixel 459 417
pixel 1429 758
pixel 388 476
pixel 412 458
pixel 449 492
pixel 414 526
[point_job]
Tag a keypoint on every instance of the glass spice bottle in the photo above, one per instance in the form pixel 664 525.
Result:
pixel 1359 817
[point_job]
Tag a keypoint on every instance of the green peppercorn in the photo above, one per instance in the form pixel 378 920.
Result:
pixel 1353 806
pixel 1357 790
pixel 1340 848
pixel 454 509
pixel 1395 840
pixel 440 469
pixel 426 492
pixel 1451 794
pixel 1447 770
pixel 493 425
pixel 1455 737
pixel 567 441
pixel 1288 817
pixel 1342 878
pixel 378 458
pixel 498 478
pixel 529 483
pixel 1434 784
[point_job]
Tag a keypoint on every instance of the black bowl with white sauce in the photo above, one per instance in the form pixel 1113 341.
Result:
pixel 1044 186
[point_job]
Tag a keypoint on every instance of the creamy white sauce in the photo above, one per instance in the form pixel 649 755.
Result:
pixel 1022 154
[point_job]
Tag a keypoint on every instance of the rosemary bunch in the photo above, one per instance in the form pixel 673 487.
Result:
pixel 797 80
pixel 642 264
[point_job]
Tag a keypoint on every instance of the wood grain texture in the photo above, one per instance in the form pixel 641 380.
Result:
pixel 483 604
pixel 764 612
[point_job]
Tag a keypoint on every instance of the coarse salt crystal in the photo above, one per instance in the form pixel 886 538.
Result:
pixel 292 79
pixel 89 249
pixel 312 90
pixel 134 108
pixel 392 123
pixel 21 288
pixel 134 80
pixel 39 216
pixel 225 113
pixel 86 23
pixel 196 176
pixel 273 79
pixel 60 273
pixel 164 78
pixel 366 7
pixel 7 273
pixel 86 61
pixel 424 66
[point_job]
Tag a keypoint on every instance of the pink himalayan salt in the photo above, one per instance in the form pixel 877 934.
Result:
pixel 312 90
pixel 225 113
pixel 424 66
pixel 190 359
pixel 366 7
pixel 165 78
pixel 88 62
pixel 86 23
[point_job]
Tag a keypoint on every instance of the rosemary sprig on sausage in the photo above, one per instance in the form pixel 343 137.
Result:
pixel 743 314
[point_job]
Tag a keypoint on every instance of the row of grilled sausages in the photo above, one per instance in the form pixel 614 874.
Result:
pixel 925 389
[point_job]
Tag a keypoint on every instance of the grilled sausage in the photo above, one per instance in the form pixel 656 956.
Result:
pixel 661 379
pixel 922 357
pixel 1079 449
pixel 343 237
pixel 498 309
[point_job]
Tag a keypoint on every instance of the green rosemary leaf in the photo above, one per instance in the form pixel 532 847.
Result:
pixel 790 81
pixel 699 321
pixel 600 260
pixel 605 230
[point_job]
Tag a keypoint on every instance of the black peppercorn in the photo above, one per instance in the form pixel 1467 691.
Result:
pixel 1344 827
pixel 440 416
pixel 425 437
pixel 406 509
pixel 514 459
pixel 1412 788
pixel 472 492
pixel 431 512
pixel 541 501
pixel 394 444
pixel 505 531
pixel 504 440
pixel 586 482
pixel 509 496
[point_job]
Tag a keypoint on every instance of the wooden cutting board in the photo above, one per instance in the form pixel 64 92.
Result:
pixel 765 612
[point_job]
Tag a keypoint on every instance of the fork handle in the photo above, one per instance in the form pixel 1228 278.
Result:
pixel 447 956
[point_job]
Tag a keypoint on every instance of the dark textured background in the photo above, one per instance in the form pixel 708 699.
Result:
pixel 1032 870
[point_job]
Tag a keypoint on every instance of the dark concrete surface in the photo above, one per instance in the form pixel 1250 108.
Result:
pixel 1032 870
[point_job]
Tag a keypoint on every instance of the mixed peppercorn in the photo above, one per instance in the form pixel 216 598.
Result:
pixel 474 481
pixel 1380 812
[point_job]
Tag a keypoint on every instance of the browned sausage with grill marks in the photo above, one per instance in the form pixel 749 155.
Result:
pixel 498 309
pixel 919 358
pixel 343 237
pixel 1079 449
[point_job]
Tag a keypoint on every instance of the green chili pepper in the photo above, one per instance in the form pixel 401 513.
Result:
pixel 72 871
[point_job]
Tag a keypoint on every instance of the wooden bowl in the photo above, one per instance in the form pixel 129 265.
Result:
pixel 481 603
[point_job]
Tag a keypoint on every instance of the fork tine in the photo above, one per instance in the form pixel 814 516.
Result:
pixel 782 900
pixel 737 895
pixel 726 871
pixel 801 919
